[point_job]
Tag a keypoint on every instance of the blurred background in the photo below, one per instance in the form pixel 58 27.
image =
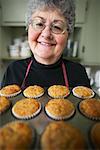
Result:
pixel 83 45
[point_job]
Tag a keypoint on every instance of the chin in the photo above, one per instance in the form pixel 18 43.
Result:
pixel 45 55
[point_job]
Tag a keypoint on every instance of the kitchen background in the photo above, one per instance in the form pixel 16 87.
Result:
pixel 83 45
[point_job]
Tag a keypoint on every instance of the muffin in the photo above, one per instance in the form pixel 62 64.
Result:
pixel 4 104
pixel 95 135
pixel 83 92
pixel 26 108
pixel 90 108
pixel 33 91
pixel 10 90
pixel 59 109
pixel 16 135
pixel 61 136
pixel 58 91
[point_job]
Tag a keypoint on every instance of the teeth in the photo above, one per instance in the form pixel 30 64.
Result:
pixel 46 44
pixel 43 43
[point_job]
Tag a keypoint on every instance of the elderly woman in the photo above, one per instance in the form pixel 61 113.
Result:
pixel 49 24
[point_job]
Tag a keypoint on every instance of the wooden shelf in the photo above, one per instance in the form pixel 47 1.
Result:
pixel 76 59
pixel 12 58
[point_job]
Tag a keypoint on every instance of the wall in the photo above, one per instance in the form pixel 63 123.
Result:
pixel 91 34
pixel 99 29
pixel 0 46
pixel 0 26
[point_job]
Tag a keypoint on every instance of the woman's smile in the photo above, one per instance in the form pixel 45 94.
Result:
pixel 47 44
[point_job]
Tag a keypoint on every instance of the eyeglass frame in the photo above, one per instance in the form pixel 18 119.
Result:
pixel 31 21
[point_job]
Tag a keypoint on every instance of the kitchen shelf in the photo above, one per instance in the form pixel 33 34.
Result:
pixel 12 58
pixel 76 59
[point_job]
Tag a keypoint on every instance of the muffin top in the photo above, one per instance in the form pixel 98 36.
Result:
pixel 60 107
pixel 90 108
pixel 61 136
pixel 10 90
pixel 95 135
pixel 26 107
pixel 15 135
pixel 4 104
pixel 34 91
pixel 58 91
pixel 83 92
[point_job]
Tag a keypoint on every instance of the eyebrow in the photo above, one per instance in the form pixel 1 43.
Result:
pixel 56 20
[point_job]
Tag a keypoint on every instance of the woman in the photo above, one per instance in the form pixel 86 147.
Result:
pixel 49 24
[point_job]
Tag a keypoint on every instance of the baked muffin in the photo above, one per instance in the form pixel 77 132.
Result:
pixel 34 91
pixel 58 91
pixel 59 109
pixel 26 108
pixel 90 108
pixel 62 136
pixel 10 90
pixel 83 92
pixel 95 135
pixel 16 135
pixel 4 104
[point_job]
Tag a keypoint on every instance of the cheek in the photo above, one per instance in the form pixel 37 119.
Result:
pixel 32 36
pixel 61 42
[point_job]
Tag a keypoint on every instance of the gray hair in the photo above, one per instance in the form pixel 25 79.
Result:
pixel 67 8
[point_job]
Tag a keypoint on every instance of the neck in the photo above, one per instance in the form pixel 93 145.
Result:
pixel 46 61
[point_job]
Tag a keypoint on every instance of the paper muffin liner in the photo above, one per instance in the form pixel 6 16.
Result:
pixel 87 115
pixel 63 96
pixel 59 117
pixel 38 96
pixel 83 97
pixel 39 91
pixel 60 90
pixel 28 116
pixel 10 95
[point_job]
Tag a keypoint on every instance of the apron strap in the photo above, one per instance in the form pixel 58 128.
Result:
pixel 65 75
pixel 27 71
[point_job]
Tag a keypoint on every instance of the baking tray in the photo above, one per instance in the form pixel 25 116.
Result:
pixel 41 120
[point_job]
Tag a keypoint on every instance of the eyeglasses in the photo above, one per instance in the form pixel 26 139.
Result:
pixel 57 27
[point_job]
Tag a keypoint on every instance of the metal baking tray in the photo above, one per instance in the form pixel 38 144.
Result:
pixel 41 120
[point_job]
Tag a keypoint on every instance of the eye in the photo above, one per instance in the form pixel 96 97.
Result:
pixel 57 28
pixel 37 24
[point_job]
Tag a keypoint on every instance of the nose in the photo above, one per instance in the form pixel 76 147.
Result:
pixel 47 33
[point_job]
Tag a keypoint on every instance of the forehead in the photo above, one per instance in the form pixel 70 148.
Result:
pixel 49 14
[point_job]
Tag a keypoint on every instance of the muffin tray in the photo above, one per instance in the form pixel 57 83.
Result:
pixel 40 121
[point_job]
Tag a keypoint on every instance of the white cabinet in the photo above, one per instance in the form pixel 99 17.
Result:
pixel 13 12
pixel 87 23
pixel 81 7
pixel 90 38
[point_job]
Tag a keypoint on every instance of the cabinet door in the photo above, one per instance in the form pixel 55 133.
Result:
pixel 13 11
pixel 80 10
